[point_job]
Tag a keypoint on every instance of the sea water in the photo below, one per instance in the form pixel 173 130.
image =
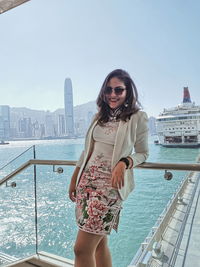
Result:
pixel 56 224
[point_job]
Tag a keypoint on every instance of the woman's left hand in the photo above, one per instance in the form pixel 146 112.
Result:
pixel 118 175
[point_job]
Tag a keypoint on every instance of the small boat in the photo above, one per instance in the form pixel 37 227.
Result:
pixel 156 142
pixel 4 143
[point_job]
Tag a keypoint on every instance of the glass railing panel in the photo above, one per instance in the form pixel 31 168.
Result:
pixel 148 200
pixel 9 160
pixel 17 217
pixel 56 221
pixel 141 211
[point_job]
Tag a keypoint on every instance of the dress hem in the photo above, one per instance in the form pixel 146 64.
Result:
pixel 92 232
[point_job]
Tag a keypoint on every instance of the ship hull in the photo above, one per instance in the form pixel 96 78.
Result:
pixel 175 145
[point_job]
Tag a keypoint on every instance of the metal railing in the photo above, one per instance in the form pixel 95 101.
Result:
pixel 145 165
pixel 151 252
pixel 155 235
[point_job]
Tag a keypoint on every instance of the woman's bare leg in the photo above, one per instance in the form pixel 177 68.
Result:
pixel 85 248
pixel 102 254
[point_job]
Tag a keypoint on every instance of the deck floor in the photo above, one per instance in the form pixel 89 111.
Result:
pixel 183 250
pixel 189 250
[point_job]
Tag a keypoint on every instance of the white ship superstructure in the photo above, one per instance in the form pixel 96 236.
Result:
pixel 180 126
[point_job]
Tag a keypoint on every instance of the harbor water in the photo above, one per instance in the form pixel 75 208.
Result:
pixel 56 221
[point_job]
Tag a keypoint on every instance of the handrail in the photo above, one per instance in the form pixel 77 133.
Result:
pixel 31 147
pixel 36 162
pixel 145 165
pixel 157 230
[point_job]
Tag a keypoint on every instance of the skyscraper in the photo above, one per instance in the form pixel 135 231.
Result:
pixel 69 114
pixel 4 122
pixel 61 125
pixel 49 126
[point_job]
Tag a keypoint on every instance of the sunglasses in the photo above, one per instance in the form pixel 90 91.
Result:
pixel 118 90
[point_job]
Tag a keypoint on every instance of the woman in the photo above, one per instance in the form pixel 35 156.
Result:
pixel 103 176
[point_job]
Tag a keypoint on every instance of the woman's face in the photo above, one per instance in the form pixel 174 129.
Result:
pixel 115 93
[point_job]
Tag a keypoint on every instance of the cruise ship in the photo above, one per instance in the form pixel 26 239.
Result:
pixel 180 126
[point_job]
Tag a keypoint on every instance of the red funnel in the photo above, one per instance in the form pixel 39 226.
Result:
pixel 186 95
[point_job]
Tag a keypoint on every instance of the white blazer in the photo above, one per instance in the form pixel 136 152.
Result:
pixel 131 140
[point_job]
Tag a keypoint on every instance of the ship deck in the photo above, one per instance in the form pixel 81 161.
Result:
pixel 177 242
pixel 42 259
pixel 188 253
pixel 180 240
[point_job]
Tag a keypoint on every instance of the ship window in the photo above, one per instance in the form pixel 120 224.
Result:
pixel 181 128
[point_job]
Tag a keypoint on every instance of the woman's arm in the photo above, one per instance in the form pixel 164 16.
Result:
pixel 118 175
pixel 140 154
pixel 72 187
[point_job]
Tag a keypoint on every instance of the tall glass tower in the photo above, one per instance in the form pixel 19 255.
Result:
pixel 69 114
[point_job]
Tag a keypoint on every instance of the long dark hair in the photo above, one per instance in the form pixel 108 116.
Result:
pixel 132 103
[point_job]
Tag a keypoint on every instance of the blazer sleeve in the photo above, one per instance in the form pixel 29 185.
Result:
pixel 141 150
pixel 80 161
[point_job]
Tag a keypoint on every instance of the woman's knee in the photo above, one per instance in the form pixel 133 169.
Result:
pixel 102 246
pixel 86 243
pixel 82 248
pixel 79 250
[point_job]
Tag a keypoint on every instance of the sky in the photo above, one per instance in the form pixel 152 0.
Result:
pixel 42 42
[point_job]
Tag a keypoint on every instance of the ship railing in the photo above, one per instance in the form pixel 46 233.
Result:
pixel 151 252
pixel 28 218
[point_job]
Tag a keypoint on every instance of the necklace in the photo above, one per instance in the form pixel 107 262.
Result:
pixel 114 113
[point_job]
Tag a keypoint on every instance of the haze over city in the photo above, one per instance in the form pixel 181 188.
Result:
pixel 44 42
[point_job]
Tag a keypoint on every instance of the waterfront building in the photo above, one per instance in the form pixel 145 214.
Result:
pixel 4 122
pixel 37 130
pixel 42 130
pixel 80 127
pixel 49 126
pixel 61 125
pixel 25 128
pixel 68 102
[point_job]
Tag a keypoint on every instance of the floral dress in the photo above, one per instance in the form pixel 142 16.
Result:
pixel 98 204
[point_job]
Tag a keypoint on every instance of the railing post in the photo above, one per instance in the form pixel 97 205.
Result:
pixel 35 193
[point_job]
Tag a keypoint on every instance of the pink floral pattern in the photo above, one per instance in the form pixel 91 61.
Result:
pixel 97 203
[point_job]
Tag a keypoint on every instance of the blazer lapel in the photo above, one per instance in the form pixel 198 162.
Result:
pixel 119 142
pixel 89 139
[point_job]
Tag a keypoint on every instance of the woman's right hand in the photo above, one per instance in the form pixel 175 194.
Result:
pixel 72 192
pixel 72 187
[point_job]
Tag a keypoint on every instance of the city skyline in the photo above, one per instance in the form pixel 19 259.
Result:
pixel 26 123
pixel 42 42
